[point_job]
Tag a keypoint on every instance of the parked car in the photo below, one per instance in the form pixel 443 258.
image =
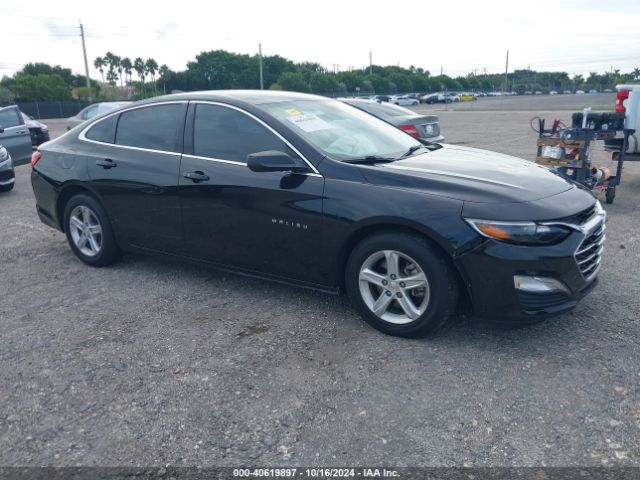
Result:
pixel 93 110
pixel 382 98
pixel 425 127
pixel 593 91
pixel 553 92
pixel 307 190
pixel 580 92
pixel 567 92
pixel 7 175
pixel 451 97
pixel 432 98
pixel 403 100
pixel 467 97
pixel 39 131
pixel 14 135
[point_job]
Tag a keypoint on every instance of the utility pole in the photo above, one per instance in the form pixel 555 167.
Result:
pixel 260 57
pixel 370 63
pixel 506 72
pixel 86 63
pixel 440 70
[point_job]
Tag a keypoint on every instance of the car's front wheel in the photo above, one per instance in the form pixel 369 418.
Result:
pixel 401 284
pixel 89 231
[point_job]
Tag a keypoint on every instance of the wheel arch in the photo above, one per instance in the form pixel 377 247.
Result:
pixel 66 194
pixel 397 225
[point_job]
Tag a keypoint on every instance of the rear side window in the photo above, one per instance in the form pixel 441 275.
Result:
pixel 154 127
pixel 226 134
pixel 104 130
pixel 9 118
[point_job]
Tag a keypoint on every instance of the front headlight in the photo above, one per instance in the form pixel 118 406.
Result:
pixel 4 154
pixel 520 233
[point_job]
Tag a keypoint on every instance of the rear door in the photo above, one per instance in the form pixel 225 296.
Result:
pixel 15 137
pixel 134 166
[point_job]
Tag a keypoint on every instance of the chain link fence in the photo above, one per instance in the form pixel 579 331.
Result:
pixel 39 110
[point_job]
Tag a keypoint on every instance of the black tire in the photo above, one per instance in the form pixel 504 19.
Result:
pixel 109 251
pixel 442 282
pixel 7 188
pixel 610 194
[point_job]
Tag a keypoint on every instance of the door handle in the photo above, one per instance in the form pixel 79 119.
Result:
pixel 21 131
pixel 106 163
pixel 197 176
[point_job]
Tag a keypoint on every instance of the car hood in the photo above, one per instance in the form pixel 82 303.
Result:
pixel 471 175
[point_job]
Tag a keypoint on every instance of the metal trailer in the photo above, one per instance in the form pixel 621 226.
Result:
pixel 568 149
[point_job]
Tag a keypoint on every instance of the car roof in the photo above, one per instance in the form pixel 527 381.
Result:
pixel 249 96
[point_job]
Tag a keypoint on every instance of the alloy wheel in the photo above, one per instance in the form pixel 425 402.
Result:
pixel 394 287
pixel 86 230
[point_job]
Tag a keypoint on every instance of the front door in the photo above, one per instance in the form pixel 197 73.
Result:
pixel 14 135
pixel 266 222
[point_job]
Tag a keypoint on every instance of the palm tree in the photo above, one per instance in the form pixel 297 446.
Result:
pixel 151 66
pixel 111 60
pixel 118 64
pixel 100 63
pixel 138 66
pixel 127 66
pixel 636 73
pixel 163 71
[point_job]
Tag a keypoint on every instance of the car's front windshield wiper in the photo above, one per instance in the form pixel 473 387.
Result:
pixel 369 160
pixel 413 149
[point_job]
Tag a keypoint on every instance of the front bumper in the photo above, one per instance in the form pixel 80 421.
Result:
pixel 7 175
pixel 509 282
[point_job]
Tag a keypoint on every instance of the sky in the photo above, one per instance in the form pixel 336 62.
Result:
pixel 458 38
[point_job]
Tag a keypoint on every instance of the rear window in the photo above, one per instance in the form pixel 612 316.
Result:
pixel 153 127
pixel 104 130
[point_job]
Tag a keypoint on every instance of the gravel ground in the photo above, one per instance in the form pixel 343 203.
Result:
pixel 153 363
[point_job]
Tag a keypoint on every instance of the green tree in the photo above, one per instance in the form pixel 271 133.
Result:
pixel 127 66
pixel 402 82
pixel 151 67
pixel 293 82
pixel 40 87
pixel 99 63
pixel 163 71
pixel 323 83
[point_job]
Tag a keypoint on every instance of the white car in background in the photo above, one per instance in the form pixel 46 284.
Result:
pixel 404 100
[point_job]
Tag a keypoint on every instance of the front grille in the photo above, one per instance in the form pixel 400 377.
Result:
pixel 580 217
pixel 539 302
pixel 589 253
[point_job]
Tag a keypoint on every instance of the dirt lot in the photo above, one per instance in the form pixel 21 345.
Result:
pixel 155 363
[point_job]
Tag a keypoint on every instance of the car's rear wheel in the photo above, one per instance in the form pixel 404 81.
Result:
pixel 401 284
pixel 89 231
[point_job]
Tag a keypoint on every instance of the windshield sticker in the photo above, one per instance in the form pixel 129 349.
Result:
pixel 309 123
pixel 293 111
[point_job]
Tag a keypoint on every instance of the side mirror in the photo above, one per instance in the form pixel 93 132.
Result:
pixel 272 161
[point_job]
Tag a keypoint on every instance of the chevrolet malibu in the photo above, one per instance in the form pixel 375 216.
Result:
pixel 310 191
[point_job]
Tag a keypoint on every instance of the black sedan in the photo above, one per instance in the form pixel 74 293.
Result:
pixel 310 191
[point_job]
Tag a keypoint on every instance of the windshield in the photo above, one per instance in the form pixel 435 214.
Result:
pixel 341 131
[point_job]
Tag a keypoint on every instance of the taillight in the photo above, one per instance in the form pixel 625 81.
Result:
pixel 35 158
pixel 411 130
pixel 620 98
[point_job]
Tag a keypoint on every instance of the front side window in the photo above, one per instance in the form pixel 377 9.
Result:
pixel 9 118
pixel 341 131
pixel 227 134
pixel 153 127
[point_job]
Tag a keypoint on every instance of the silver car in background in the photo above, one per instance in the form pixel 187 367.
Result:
pixel 14 135
pixel 425 127
pixel 7 175
pixel 93 110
